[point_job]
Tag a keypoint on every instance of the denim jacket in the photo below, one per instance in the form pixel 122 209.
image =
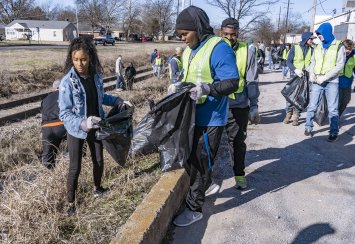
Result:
pixel 72 102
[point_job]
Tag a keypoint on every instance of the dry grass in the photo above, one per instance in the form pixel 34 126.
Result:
pixel 26 71
pixel 33 199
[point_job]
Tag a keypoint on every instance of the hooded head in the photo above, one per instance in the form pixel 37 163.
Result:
pixel 193 25
pixel 305 37
pixel 325 34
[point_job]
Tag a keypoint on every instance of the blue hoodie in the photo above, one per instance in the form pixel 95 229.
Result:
pixel 304 47
pixel 326 30
pixel 345 82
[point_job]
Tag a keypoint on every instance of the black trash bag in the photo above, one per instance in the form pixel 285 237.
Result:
pixel 168 128
pixel 116 132
pixel 296 92
pixel 321 114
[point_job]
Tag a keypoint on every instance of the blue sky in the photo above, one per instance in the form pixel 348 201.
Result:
pixel 216 16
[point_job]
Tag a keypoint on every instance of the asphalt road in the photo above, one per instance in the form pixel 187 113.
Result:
pixel 301 189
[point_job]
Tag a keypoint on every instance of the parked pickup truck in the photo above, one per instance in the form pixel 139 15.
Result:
pixel 104 40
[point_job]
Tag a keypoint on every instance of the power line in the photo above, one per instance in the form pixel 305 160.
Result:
pixel 320 2
pixel 323 8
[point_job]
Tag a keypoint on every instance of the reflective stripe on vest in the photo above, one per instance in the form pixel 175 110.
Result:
pixel 242 59
pixel 157 61
pixel 299 61
pixel 198 68
pixel 325 63
pixel 349 67
pixel 179 64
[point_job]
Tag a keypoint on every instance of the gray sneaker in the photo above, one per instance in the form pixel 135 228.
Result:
pixel 212 189
pixel 187 217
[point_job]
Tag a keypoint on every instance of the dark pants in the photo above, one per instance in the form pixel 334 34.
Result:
pixel 51 139
pixel 200 163
pixel 130 82
pixel 75 146
pixel 344 99
pixel 237 133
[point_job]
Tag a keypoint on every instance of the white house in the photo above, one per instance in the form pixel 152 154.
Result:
pixel 41 30
pixel 343 23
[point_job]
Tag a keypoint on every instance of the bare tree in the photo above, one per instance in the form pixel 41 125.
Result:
pixel 247 12
pixel 91 11
pixel 151 23
pixel 164 11
pixel 15 9
pixel 111 10
pixel 130 14
pixel 66 13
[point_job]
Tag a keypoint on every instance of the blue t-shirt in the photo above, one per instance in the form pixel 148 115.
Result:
pixel 214 112
pixel 345 82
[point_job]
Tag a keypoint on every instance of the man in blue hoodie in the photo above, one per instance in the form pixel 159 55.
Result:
pixel 327 61
pixel 298 60
pixel 346 76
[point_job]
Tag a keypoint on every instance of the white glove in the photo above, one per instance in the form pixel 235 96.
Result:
pixel 320 79
pixel 128 103
pixel 199 90
pixel 299 72
pixel 90 123
pixel 171 89
pixel 254 116
pixel 312 77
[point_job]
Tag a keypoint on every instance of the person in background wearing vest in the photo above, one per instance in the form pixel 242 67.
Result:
pixel 158 63
pixel 243 102
pixel 346 76
pixel 298 61
pixel 53 131
pixel 175 65
pixel 209 63
pixel 152 60
pixel 285 53
pixel 327 61
pixel 119 74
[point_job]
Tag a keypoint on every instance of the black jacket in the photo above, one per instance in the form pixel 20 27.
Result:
pixel 50 108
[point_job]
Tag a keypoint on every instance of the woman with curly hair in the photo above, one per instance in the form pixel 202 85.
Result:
pixel 81 96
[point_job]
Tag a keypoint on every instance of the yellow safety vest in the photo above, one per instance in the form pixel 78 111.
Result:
pixel 299 61
pixel 285 54
pixel 179 64
pixel 158 61
pixel 198 68
pixel 326 62
pixel 349 67
pixel 242 59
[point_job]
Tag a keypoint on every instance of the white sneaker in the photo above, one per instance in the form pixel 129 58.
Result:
pixel 187 217
pixel 212 189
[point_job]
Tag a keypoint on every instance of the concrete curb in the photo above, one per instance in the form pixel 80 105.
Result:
pixel 150 221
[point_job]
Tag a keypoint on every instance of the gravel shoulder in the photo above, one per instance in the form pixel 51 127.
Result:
pixel 301 189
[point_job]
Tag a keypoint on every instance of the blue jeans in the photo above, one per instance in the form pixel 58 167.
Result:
pixel 271 64
pixel 119 82
pixel 284 71
pixel 332 94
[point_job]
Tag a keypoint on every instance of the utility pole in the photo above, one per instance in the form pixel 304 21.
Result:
pixel 313 15
pixel 288 7
pixel 278 22
pixel 77 21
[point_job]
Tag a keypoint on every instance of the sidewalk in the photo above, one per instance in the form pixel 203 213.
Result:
pixel 301 189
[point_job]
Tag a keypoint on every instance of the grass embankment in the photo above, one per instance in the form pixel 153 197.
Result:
pixel 33 199
pixel 31 70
